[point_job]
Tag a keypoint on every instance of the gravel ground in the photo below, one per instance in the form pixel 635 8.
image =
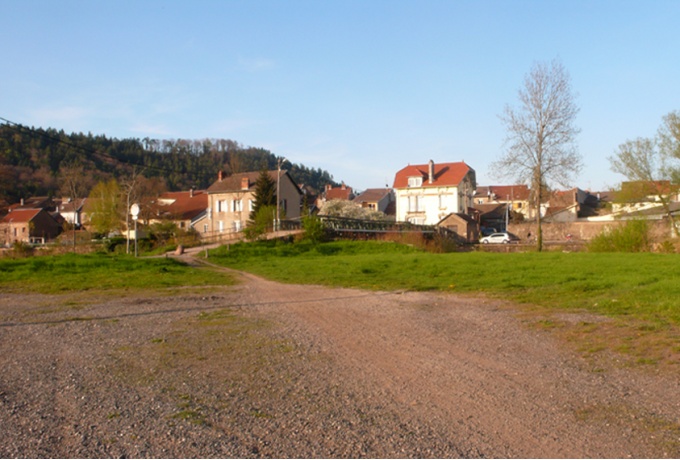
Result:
pixel 270 370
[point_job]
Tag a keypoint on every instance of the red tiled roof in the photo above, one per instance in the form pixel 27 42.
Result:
pixel 21 215
pixel 186 205
pixel 502 192
pixel 445 174
pixel 372 195
pixel 339 193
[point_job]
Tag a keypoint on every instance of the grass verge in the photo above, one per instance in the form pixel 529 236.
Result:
pixel 100 272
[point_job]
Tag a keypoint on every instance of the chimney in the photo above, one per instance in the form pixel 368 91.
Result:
pixel 245 183
pixel 22 202
pixel 191 192
pixel 328 187
pixel 430 172
pixel 219 176
pixel 343 186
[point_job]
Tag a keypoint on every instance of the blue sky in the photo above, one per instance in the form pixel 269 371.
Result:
pixel 358 88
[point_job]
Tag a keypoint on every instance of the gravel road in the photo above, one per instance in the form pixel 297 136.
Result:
pixel 263 369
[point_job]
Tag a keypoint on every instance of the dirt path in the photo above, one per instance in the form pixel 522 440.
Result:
pixel 272 370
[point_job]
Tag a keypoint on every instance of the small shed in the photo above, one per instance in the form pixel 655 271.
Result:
pixel 462 225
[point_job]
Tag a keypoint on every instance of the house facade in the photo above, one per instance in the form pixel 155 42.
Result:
pixel 231 199
pixel 425 194
pixel 517 196
pixel 71 211
pixel 344 193
pixel 463 225
pixel 376 199
pixel 28 226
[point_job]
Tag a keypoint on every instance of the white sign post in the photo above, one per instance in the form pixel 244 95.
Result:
pixel 134 211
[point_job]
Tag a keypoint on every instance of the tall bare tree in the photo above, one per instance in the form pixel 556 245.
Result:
pixel 74 186
pixel 653 164
pixel 129 187
pixel 541 134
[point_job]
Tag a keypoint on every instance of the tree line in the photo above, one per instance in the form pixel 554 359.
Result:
pixel 34 161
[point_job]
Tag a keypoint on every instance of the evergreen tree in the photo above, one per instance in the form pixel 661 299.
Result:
pixel 265 193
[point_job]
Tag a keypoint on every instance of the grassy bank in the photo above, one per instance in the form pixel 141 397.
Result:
pixel 86 272
pixel 646 286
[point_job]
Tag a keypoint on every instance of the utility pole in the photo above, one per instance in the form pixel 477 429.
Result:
pixel 278 196
pixel 507 213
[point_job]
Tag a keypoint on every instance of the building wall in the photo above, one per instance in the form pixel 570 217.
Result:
pixel 42 226
pixel 229 211
pixel 429 205
pixel 581 231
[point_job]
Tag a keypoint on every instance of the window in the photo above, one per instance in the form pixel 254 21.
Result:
pixel 415 181
pixel 236 205
pixel 205 228
pixel 442 201
pixel 415 203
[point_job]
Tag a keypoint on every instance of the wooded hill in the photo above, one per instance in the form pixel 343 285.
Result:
pixel 32 161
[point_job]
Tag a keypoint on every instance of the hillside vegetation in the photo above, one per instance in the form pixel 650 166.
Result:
pixel 32 161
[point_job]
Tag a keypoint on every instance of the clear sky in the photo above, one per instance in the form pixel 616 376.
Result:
pixel 358 88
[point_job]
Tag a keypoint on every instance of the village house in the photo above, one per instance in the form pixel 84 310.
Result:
pixel 186 209
pixel 231 198
pixel 377 199
pixel 343 192
pixel 28 226
pixel 517 196
pixel 636 196
pixel 465 226
pixel 71 211
pixel 425 194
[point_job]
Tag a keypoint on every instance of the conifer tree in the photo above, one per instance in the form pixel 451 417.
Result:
pixel 265 193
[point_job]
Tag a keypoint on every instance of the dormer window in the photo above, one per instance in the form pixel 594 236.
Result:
pixel 415 181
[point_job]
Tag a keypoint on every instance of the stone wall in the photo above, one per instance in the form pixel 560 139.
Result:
pixel 581 231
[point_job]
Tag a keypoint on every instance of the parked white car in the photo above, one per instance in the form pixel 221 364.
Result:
pixel 503 238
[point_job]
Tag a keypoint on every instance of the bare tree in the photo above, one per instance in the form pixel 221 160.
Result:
pixel 669 145
pixel 540 142
pixel 129 187
pixel 75 187
pixel 652 164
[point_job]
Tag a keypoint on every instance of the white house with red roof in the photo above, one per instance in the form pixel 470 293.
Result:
pixel 427 193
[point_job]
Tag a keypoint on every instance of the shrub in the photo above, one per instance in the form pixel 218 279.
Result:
pixel 633 236
pixel 315 231
pixel 21 249
pixel 263 220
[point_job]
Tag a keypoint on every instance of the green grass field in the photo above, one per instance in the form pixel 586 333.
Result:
pixel 97 272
